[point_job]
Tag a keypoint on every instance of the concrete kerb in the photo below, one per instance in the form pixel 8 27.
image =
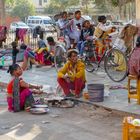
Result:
pixel 96 105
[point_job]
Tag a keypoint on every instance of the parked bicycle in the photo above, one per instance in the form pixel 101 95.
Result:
pixel 112 59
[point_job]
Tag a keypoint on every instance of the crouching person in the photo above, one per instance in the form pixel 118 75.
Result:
pixel 71 77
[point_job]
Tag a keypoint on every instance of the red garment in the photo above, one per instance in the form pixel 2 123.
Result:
pixel 134 62
pixel 23 95
pixel 77 85
pixel 10 87
pixel 3 31
pixel 21 34
pixel 40 58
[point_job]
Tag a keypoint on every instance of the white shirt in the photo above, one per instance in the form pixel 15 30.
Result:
pixel 103 27
pixel 76 22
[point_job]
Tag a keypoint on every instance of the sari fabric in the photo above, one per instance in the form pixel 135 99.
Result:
pixel 20 98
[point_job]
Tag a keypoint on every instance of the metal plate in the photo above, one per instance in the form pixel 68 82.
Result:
pixel 54 98
pixel 40 106
pixel 39 110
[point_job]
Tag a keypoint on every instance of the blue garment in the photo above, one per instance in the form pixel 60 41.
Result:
pixel 41 44
pixel 81 46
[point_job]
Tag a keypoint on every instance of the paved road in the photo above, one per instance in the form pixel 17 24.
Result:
pixel 82 122
pixel 79 123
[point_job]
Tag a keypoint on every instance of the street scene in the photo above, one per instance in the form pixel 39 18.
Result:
pixel 69 69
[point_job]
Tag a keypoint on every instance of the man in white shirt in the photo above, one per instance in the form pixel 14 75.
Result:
pixel 76 26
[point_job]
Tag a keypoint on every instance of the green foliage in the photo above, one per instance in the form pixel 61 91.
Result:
pixel 52 9
pixel 23 9
pixel 57 6
pixel 115 2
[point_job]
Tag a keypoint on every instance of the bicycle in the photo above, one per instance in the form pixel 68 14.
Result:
pixel 114 61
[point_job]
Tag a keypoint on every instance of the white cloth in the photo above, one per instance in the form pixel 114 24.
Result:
pixel 76 22
pixel 119 44
pixel 75 32
pixel 103 27
pixel 62 23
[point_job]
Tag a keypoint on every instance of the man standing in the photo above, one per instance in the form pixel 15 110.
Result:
pixel 72 76
pixel 76 27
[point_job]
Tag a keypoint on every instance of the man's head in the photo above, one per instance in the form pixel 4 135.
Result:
pixel 73 55
pixel 102 19
pixel 64 15
pixel 78 14
pixel 14 44
pixel 86 24
pixel 23 46
pixel 50 41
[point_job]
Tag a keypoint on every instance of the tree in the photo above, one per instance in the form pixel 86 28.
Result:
pixel 23 9
pixel 122 5
pixel 57 6
pixel 2 9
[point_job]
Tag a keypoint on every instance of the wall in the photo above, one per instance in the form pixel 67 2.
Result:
pixel 10 19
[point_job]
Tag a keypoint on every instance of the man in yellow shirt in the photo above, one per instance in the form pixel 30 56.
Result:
pixel 72 76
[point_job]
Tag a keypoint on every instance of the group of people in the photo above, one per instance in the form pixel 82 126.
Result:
pixel 42 55
pixel 71 77
pixel 81 31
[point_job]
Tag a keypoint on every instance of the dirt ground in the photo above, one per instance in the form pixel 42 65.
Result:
pixel 83 122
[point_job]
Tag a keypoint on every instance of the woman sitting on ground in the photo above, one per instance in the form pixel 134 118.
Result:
pixel 28 57
pixel 42 53
pixel 19 93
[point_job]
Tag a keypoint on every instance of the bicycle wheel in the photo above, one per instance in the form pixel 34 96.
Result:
pixel 90 60
pixel 115 65
pixel 90 66
pixel 60 57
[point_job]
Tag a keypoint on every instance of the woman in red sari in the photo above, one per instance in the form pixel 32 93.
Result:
pixel 19 93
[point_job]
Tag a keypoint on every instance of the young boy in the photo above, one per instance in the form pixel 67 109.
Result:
pixel 101 33
pixel 86 35
pixel 76 27
pixel 14 51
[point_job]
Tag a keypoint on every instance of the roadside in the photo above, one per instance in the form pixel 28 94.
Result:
pixel 79 123
pixel 46 76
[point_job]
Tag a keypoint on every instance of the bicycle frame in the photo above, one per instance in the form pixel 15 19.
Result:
pixel 95 55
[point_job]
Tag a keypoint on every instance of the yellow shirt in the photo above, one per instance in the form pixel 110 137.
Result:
pixel 76 71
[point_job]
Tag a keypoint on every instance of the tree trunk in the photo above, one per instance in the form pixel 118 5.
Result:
pixel 2 11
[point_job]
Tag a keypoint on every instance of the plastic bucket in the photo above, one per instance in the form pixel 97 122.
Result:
pixel 96 92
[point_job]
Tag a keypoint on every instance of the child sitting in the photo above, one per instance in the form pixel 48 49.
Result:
pixel 19 93
pixel 102 33
pixel 86 35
